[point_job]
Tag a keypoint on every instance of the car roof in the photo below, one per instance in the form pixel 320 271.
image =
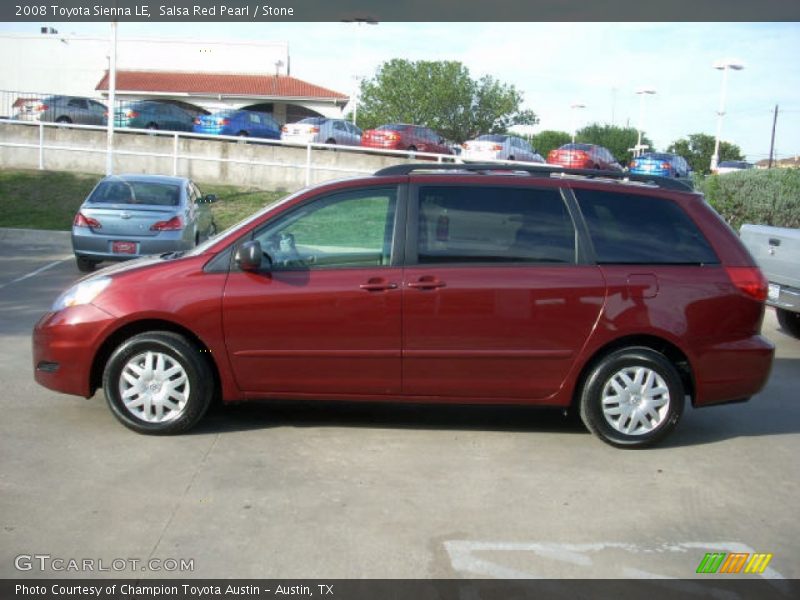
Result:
pixel 145 178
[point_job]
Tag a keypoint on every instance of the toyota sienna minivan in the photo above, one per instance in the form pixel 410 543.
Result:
pixel 619 297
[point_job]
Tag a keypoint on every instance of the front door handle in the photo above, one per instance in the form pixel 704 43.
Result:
pixel 427 282
pixel 378 284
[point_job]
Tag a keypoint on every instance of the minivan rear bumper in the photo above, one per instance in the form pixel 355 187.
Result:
pixel 732 371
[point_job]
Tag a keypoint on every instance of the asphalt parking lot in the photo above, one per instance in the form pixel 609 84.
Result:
pixel 288 490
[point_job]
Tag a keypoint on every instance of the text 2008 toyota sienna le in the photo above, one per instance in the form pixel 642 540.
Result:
pixel 616 297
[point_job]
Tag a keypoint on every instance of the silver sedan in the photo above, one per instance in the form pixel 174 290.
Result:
pixel 128 216
pixel 499 147
pixel 319 130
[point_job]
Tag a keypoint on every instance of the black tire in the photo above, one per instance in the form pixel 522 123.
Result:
pixel 412 148
pixel 63 120
pixel 152 126
pixel 789 321
pixel 599 381
pixel 176 350
pixel 85 265
pixel 243 134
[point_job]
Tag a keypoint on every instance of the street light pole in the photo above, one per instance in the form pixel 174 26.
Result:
pixel 724 66
pixel 357 77
pixel 573 107
pixel 112 88
pixel 637 151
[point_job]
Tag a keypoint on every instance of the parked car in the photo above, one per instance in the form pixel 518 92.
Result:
pixel 244 123
pixel 731 166
pixel 661 164
pixel 128 216
pixel 615 299
pixel 319 130
pixel 400 136
pixel 777 251
pixel 149 114
pixel 584 156
pixel 62 109
pixel 499 147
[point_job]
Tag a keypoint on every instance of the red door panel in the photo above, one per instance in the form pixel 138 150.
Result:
pixel 331 331
pixel 496 331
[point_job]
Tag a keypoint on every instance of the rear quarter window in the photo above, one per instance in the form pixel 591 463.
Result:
pixel 638 229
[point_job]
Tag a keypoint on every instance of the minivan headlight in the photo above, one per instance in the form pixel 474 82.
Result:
pixel 81 293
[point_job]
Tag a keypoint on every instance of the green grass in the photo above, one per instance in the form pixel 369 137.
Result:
pixel 50 199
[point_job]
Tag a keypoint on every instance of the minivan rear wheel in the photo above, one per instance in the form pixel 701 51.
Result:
pixel 632 398
pixel 158 383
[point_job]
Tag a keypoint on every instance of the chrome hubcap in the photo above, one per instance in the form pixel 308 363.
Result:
pixel 635 400
pixel 154 387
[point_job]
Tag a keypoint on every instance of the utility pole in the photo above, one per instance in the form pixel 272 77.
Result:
pixel 772 141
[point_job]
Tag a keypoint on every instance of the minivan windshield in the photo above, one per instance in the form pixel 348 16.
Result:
pixel 234 230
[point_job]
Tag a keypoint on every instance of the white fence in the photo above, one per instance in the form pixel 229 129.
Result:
pixel 272 164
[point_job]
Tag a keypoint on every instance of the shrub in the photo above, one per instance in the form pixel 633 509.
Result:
pixel 764 197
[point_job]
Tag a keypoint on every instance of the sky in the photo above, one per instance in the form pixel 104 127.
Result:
pixel 556 65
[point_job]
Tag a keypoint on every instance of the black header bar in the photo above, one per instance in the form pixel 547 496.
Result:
pixel 394 10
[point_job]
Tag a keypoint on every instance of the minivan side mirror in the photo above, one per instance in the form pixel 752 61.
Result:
pixel 248 256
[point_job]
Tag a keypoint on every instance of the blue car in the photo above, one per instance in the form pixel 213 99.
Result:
pixel 661 164
pixel 244 123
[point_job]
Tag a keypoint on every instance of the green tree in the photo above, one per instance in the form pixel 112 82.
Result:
pixel 440 95
pixel 547 140
pixel 698 148
pixel 619 140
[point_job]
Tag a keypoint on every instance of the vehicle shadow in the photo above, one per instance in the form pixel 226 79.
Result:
pixel 774 411
pixel 287 413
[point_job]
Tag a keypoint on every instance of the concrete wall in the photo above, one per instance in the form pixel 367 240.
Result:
pixel 83 150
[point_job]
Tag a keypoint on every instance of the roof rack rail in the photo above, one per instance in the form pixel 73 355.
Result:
pixel 537 169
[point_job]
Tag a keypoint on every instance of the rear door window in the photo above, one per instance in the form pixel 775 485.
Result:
pixel 494 224
pixel 636 229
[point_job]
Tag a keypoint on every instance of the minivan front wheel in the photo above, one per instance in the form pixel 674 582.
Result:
pixel 158 383
pixel 632 398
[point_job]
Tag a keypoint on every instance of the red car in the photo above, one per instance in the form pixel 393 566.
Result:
pixel 583 156
pixel 431 283
pixel 405 137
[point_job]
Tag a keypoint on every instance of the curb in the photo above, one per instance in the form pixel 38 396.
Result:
pixel 40 236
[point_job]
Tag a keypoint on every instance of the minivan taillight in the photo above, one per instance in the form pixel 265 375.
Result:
pixel 750 281
pixel 173 224
pixel 82 220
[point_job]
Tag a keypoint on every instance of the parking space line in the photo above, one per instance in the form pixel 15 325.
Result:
pixel 36 272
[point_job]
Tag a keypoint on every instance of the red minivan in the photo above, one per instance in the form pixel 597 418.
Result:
pixel 431 283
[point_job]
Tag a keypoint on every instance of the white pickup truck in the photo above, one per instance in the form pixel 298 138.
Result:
pixel 777 251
